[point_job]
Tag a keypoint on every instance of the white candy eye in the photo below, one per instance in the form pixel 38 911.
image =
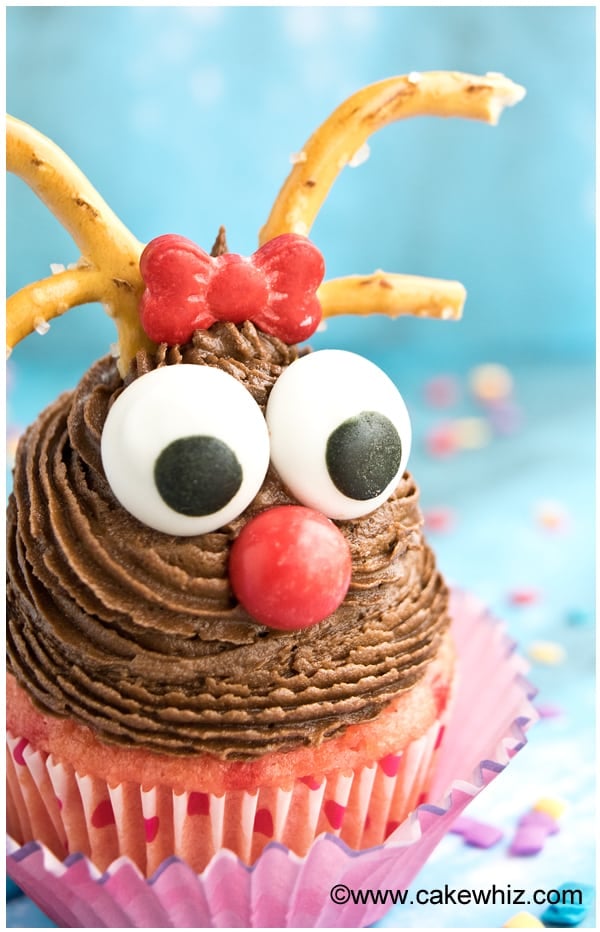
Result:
pixel 340 433
pixel 185 449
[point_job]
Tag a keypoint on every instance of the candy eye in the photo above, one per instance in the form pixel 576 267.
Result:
pixel 340 433
pixel 185 449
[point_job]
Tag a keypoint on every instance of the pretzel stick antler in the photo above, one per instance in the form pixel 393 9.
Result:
pixel 108 270
pixel 335 143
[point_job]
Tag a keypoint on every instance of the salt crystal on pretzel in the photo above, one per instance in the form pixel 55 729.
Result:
pixel 393 295
pixel 335 144
pixel 108 270
pixel 109 267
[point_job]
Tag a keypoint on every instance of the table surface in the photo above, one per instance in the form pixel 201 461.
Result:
pixel 498 501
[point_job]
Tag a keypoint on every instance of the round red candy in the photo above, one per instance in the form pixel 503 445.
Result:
pixel 290 567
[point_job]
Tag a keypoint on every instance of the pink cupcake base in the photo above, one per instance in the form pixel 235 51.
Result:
pixel 486 727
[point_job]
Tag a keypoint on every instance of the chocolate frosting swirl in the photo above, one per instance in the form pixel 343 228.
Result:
pixel 137 634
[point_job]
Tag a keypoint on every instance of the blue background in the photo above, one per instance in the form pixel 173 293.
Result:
pixel 185 119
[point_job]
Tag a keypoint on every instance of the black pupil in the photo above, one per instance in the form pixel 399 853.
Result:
pixel 363 455
pixel 197 475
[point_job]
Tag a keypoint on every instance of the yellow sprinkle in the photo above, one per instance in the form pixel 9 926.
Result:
pixel 548 652
pixel 491 382
pixel 551 515
pixel 471 432
pixel 523 920
pixel 552 807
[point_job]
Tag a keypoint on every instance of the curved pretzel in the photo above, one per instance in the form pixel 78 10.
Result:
pixel 108 270
pixel 333 146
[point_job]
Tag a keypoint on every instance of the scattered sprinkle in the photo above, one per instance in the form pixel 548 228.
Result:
pixel 115 350
pixel 471 432
pixel 524 596
pixel 578 616
pixel 297 157
pixel 547 652
pixel 490 382
pixel 441 440
pixel 466 433
pixel 414 77
pixel 551 515
pixel 56 268
pixel 41 326
pixel 475 833
pixel 505 417
pixel 361 155
pixel 570 912
pixel 531 833
pixel 551 806
pixel 441 519
pixel 442 391
pixel 523 920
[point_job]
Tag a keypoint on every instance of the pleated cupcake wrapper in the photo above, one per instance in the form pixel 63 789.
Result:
pixel 71 813
pixel 490 712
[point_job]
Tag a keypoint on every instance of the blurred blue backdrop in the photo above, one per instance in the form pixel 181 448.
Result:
pixel 185 118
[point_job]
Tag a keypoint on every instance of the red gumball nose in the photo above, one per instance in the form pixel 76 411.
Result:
pixel 290 567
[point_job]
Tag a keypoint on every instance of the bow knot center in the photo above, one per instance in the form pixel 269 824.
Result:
pixel 237 289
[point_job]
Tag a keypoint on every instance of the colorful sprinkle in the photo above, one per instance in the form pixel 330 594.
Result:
pixel 442 391
pixel 475 833
pixel 490 382
pixel 550 806
pixel 551 516
pixel 578 616
pixel 534 827
pixel 524 596
pixel 505 417
pixel 471 433
pixel 441 440
pixel 547 652
pixel 528 840
pixel 578 900
pixel 441 519
pixel 523 920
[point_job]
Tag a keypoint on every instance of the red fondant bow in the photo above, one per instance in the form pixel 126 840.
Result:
pixel 187 290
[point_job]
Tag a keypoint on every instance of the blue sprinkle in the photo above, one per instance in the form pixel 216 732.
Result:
pixel 578 616
pixel 569 913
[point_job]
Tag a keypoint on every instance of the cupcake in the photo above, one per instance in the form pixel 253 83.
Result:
pixel 225 627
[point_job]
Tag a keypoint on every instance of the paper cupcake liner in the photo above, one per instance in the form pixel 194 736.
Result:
pixel 281 889
pixel 71 813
